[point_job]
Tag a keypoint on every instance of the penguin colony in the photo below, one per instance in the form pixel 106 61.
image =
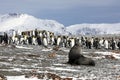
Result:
pixel 47 38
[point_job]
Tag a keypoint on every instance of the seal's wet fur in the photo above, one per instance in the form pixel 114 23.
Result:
pixel 76 58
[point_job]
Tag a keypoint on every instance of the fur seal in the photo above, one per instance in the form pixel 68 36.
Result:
pixel 74 53
pixel 75 57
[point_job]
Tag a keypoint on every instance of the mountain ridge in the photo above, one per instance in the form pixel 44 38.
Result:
pixel 103 28
pixel 23 22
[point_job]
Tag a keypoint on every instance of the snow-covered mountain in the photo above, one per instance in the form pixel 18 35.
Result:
pixel 94 29
pixel 24 22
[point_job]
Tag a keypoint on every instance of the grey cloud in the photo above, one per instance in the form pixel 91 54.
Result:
pixel 60 4
pixel 65 11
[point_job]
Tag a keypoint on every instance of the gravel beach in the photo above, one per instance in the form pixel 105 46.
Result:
pixel 25 59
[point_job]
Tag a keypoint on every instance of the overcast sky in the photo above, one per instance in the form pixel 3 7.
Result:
pixel 67 12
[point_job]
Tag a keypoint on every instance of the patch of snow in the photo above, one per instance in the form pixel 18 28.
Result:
pixel 117 56
pixel 58 64
pixel 62 69
pixel 5 63
pixel 16 69
pixel 32 78
pixel 20 78
pixel 104 53
pixel 46 50
pixel 99 57
pixel 66 50
pixel 23 47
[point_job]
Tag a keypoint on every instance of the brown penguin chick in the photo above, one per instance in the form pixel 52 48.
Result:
pixel 2 77
pixel 52 55
pixel 56 48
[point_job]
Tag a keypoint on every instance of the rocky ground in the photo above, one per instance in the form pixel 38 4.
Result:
pixel 46 63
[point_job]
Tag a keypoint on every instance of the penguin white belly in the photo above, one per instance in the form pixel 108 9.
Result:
pixel 34 41
pixel 106 44
pixel 72 42
pixel 58 41
pixel 101 43
pixel 45 42
pixel 52 41
pixel 21 40
pixel 13 39
pixel 16 40
pixel 92 42
pixel 40 35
